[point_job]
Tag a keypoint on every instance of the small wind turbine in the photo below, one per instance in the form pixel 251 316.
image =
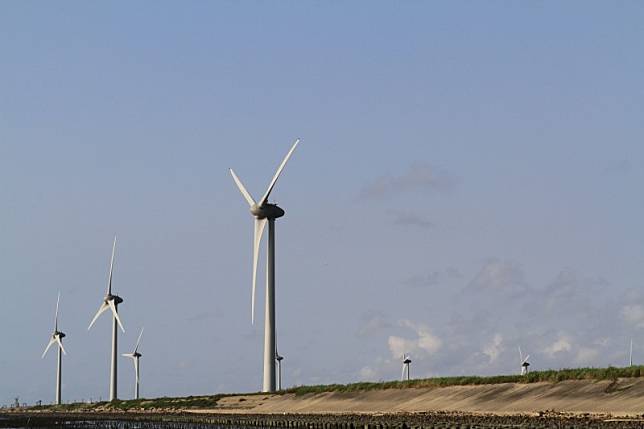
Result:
pixel 524 362
pixel 57 338
pixel 111 302
pixel 630 357
pixel 279 360
pixel 135 356
pixel 265 212
pixel 406 360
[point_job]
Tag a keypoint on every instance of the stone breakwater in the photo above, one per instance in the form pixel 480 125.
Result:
pixel 436 420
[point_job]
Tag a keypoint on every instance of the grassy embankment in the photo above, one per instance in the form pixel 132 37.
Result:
pixel 196 402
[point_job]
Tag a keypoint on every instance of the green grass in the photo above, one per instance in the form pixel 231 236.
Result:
pixel 610 373
pixel 195 402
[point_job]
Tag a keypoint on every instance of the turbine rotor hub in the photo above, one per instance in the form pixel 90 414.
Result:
pixel 117 299
pixel 267 211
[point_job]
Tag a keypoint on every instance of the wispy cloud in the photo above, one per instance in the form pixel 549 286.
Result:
pixel 423 343
pixel 420 178
pixel 500 275
pixel 410 219
pixel 374 323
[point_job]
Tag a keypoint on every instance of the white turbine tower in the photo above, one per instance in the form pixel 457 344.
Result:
pixel 57 338
pixel 265 212
pixel 524 362
pixel 135 356
pixel 630 357
pixel 111 302
pixel 406 360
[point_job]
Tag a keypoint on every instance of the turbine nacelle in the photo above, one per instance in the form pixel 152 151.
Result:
pixel 58 334
pixel 117 299
pixel 267 211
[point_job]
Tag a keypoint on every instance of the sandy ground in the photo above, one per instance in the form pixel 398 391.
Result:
pixel 624 397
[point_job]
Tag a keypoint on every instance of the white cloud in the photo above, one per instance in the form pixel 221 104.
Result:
pixel 368 373
pixel 499 275
pixel 586 355
pixel 494 348
pixel 561 345
pixel 425 343
pixel 634 314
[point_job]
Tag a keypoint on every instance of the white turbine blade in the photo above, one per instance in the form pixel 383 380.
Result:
pixel 128 355
pixel 259 230
pixel 51 341
pixel 138 341
pixel 242 189
pixel 277 174
pixel 109 282
pixel 402 377
pixel 136 369
pixel 520 354
pixel 116 314
pixel 56 317
pixel 100 311
pixel 60 344
pixel 526 359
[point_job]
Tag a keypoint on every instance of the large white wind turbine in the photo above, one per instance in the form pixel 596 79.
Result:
pixel 265 212
pixel 111 302
pixel 524 362
pixel 406 360
pixel 57 338
pixel 135 356
pixel 630 356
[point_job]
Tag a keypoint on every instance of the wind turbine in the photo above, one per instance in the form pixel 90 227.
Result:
pixel 630 357
pixel 135 356
pixel 57 338
pixel 406 360
pixel 111 302
pixel 524 362
pixel 265 212
pixel 278 359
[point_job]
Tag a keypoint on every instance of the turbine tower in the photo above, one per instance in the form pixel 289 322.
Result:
pixel 278 359
pixel 135 356
pixel 265 212
pixel 111 302
pixel 630 357
pixel 524 362
pixel 57 337
pixel 406 360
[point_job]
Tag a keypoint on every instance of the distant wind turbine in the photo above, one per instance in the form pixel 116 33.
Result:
pixel 630 357
pixel 265 212
pixel 57 338
pixel 406 360
pixel 135 356
pixel 524 362
pixel 111 302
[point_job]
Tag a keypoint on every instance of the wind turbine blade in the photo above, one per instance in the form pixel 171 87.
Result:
pixel 136 370
pixel 60 344
pixel 100 311
pixel 242 189
pixel 402 376
pixel 51 341
pixel 56 317
pixel 277 174
pixel 526 359
pixel 138 341
pixel 259 230
pixel 109 282
pixel 116 314
pixel 520 354
pixel 128 355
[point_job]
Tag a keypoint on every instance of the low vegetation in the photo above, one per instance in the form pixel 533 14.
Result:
pixel 610 373
pixel 197 402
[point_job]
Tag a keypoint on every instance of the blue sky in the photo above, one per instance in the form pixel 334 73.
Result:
pixel 469 180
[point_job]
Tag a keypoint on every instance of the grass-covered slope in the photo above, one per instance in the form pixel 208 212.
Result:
pixel 204 402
